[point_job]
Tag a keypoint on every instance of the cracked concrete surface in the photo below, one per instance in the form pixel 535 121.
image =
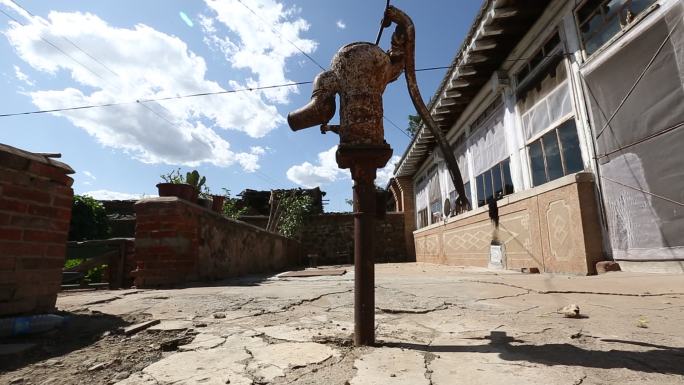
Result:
pixel 436 325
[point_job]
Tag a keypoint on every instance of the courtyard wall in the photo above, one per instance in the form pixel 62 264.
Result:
pixel 177 242
pixel 35 211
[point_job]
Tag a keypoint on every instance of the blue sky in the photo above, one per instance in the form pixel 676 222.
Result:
pixel 129 50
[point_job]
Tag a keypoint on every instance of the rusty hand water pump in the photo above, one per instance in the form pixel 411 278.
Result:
pixel 359 73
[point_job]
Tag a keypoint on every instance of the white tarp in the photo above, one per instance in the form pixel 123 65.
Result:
pixel 421 195
pixel 434 189
pixel 461 160
pixel 488 143
pixel 641 153
pixel 550 110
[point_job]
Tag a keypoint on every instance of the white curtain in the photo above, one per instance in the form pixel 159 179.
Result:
pixel 434 189
pixel 421 195
pixel 552 107
pixel 461 160
pixel 488 143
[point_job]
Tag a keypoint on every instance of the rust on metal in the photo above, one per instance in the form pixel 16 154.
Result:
pixel 359 74
pixel 404 39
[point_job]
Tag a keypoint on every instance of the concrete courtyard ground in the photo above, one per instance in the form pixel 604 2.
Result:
pixel 436 325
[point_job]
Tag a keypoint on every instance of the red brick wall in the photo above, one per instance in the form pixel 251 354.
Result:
pixel 35 210
pixel 177 241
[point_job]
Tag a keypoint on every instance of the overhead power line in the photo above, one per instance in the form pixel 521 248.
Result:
pixel 113 104
pixel 70 41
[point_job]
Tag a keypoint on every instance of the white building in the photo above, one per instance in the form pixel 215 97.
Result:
pixel 568 114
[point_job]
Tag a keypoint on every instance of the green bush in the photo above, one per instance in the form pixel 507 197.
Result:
pixel 93 275
pixel 295 210
pixel 88 219
pixel 230 206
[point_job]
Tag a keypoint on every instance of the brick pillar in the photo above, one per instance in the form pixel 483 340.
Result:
pixel 35 211
pixel 409 205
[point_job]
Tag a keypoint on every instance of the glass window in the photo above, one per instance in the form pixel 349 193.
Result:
pixel 600 20
pixel 555 154
pixel 508 182
pixel 436 210
pixel 537 163
pixel 489 193
pixel 554 165
pixel 480 190
pixel 453 195
pixel 498 182
pixel 538 57
pixel 493 184
pixel 572 155
pixel 466 186
pixel 422 218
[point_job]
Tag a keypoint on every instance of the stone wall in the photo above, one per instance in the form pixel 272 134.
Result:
pixel 331 238
pixel 554 227
pixel 177 241
pixel 35 211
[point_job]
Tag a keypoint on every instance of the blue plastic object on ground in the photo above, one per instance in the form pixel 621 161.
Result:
pixel 29 324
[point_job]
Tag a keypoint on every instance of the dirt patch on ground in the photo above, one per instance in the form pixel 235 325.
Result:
pixel 89 349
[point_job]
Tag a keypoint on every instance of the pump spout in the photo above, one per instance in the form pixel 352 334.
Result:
pixel 322 106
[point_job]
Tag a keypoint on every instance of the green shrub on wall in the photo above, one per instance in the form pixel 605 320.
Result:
pixel 88 219
pixel 295 209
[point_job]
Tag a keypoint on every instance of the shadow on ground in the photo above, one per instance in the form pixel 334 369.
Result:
pixel 661 359
pixel 78 332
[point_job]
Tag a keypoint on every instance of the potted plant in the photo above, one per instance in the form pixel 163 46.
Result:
pixel 175 186
pixel 197 181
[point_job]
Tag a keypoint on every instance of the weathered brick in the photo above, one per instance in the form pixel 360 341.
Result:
pixel 8 234
pixel 20 306
pixel 25 193
pixel 13 161
pixel 55 250
pixel 61 190
pixel 29 263
pixel 62 202
pixel 38 223
pixel 51 172
pixel 21 249
pixel 7 292
pixel 49 212
pixel 5 219
pixel 7 263
pixel 13 206
pixel 44 236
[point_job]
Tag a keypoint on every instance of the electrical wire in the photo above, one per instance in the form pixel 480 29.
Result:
pixel 55 46
pixel 69 40
pixel 397 127
pixel 645 139
pixel 142 101
pixel 258 173
pixel 113 104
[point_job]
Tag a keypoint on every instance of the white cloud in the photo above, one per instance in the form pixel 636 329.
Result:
pixel 106 195
pixel 340 24
pixel 89 175
pixel 140 63
pixel 326 171
pixel 385 174
pixel 261 44
pixel 22 76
